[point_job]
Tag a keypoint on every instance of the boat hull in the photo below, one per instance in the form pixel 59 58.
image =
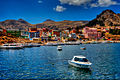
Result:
pixel 36 45
pixel 51 44
pixel 78 65
pixel 59 49
pixel 32 45
pixel 2 47
pixel 83 48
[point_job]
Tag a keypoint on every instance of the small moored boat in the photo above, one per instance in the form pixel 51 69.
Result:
pixel 59 48
pixel 80 61
pixel 83 48
pixel 11 46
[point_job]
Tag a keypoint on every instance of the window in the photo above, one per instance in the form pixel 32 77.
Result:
pixel 85 60
pixel 81 59
pixel 76 59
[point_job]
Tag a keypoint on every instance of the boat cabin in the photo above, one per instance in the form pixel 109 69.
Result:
pixel 79 59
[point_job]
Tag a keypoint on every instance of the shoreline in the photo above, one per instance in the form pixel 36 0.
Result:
pixel 54 43
pixel 51 43
pixel 77 42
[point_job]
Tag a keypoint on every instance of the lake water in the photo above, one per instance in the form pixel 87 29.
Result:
pixel 46 62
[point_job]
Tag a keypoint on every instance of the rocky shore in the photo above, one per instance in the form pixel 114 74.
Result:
pixel 7 39
pixel 11 39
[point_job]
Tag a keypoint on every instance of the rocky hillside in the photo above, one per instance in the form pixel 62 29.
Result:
pixel 106 18
pixel 61 24
pixel 15 24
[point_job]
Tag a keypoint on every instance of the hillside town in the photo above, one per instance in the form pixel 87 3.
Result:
pixel 45 35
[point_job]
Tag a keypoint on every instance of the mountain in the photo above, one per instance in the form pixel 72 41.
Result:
pixel 61 24
pixel 106 18
pixel 49 20
pixel 22 24
pixel 15 24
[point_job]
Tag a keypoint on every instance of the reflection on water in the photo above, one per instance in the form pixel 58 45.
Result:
pixel 78 73
pixel 46 62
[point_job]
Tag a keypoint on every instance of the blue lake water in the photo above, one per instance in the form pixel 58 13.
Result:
pixel 46 62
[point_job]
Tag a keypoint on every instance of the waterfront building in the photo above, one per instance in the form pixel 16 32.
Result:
pixel 50 32
pixel 55 35
pixel 64 35
pixel 73 35
pixel 73 31
pixel 34 34
pixel 14 32
pixel 44 34
pixel 91 33
pixel 24 34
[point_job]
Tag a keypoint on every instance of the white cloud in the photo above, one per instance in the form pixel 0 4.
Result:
pixel 39 1
pixel 75 2
pixel 59 8
pixel 92 3
pixel 104 3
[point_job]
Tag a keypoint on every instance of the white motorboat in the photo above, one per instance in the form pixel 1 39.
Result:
pixel 11 46
pixel 80 62
pixel 59 48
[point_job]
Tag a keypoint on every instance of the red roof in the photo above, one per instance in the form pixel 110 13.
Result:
pixel 32 31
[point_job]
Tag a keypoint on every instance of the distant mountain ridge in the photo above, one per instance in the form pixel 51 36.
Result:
pixel 22 24
pixel 61 24
pixel 106 18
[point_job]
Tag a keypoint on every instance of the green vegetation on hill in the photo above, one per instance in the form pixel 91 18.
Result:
pixel 15 33
pixel 115 31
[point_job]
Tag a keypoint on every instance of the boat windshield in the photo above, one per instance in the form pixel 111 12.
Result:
pixel 59 46
pixel 81 59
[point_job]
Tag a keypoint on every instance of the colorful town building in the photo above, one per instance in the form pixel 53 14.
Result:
pixel 24 34
pixel 34 34
pixel 14 32
pixel 91 33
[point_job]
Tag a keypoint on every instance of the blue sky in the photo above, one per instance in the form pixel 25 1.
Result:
pixel 37 11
